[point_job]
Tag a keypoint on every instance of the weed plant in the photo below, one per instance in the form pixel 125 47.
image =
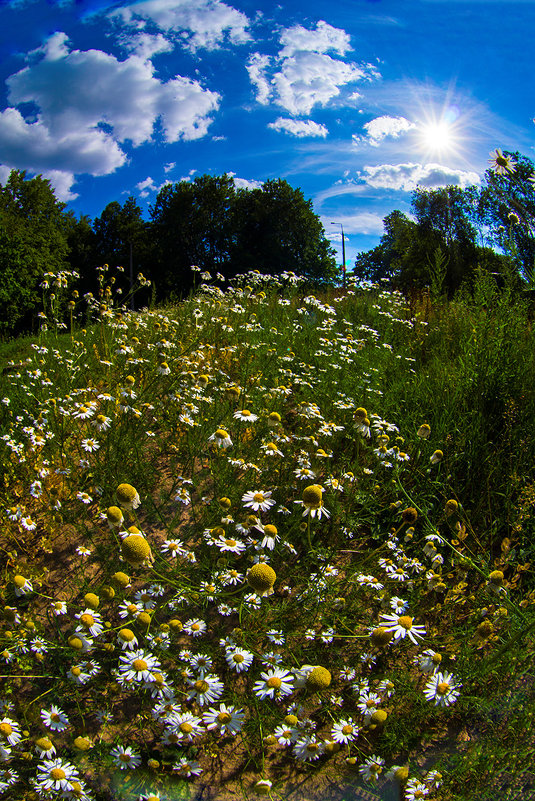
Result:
pixel 263 536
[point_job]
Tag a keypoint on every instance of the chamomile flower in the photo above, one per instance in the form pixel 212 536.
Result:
pixel 125 758
pixel 443 689
pixel 372 768
pixel 429 661
pixel 185 726
pixel 275 683
pixel 56 775
pixel 345 731
pixel 402 626
pixel 90 621
pixel 194 627
pixel 9 731
pixel 205 690
pixel 308 748
pixel 238 659
pixel 138 665
pixel 54 718
pixel 258 501
pixel 187 767
pixel 227 719
pixel 245 416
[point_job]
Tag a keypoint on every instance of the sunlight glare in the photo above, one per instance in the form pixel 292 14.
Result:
pixel 437 137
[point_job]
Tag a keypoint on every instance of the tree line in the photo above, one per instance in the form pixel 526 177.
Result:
pixel 208 222
pixel 226 230
pixel 451 231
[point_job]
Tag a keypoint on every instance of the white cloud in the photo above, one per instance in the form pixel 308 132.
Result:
pixel 170 166
pixel 365 222
pixel 245 183
pixel 147 186
pixel 320 40
pixel 89 103
pixel 62 183
pixel 257 68
pixel 299 128
pixel 204 23
pixel 146 45
pixel 303 75
pixel 382 127
pixel 406 177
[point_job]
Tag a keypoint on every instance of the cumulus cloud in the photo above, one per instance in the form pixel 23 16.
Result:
pixel 382 127
pixel 203 24
pixel 245 183
pixel 89 103
pixel 299 128
pixel 146 45
pixel 320 40
pixel 147 186
pixel 406 177
pixel 303 75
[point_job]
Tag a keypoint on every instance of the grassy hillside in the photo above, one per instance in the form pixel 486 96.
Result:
pixel 269 543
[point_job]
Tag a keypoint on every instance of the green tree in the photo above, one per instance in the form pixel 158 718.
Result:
pixel 277 230
pixel 192 224
pixel 506 211
pixel 33 240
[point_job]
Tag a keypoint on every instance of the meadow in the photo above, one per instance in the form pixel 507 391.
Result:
pixel 269 542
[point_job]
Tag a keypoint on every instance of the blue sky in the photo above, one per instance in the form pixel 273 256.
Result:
pixel 354 101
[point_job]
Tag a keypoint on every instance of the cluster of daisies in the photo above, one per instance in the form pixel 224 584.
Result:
pixel 194 624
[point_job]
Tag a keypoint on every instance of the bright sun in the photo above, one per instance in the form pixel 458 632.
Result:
pixel 438 138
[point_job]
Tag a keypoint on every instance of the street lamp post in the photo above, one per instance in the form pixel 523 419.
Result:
pixel 343 254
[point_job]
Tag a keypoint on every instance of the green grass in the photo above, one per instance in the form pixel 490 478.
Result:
pixel 138 398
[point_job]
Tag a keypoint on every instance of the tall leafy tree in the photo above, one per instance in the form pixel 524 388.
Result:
pixel 506 210
pixel 277 230
pixel 192 225
pixel 33 240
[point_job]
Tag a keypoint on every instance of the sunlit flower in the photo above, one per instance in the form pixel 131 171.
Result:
pixel 227 719
pixel 501 164
pixel 245 416
pixel 54 718
pixel 442 688
pixel 205 690
pixel 402 626
pixel 221 438
pixel 90 445
pixel 275 683
pixel 184 725
pixel 308 748
pixel 56 774
pixel 345 731
pixel 258 500
pixel 238 659
pixel 138 665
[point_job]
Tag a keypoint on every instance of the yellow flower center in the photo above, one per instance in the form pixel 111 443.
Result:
pixel 201 686
pixel 443 688
pixel 6 729
pixel 405 622
pixel 186 728
pixel 274 681
pixel 258 497
pixel 57 774
pixel 230 543
pixel 87 620
pixel 224 717
pixel 238 658
pixel 347 729
pixel 139 664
